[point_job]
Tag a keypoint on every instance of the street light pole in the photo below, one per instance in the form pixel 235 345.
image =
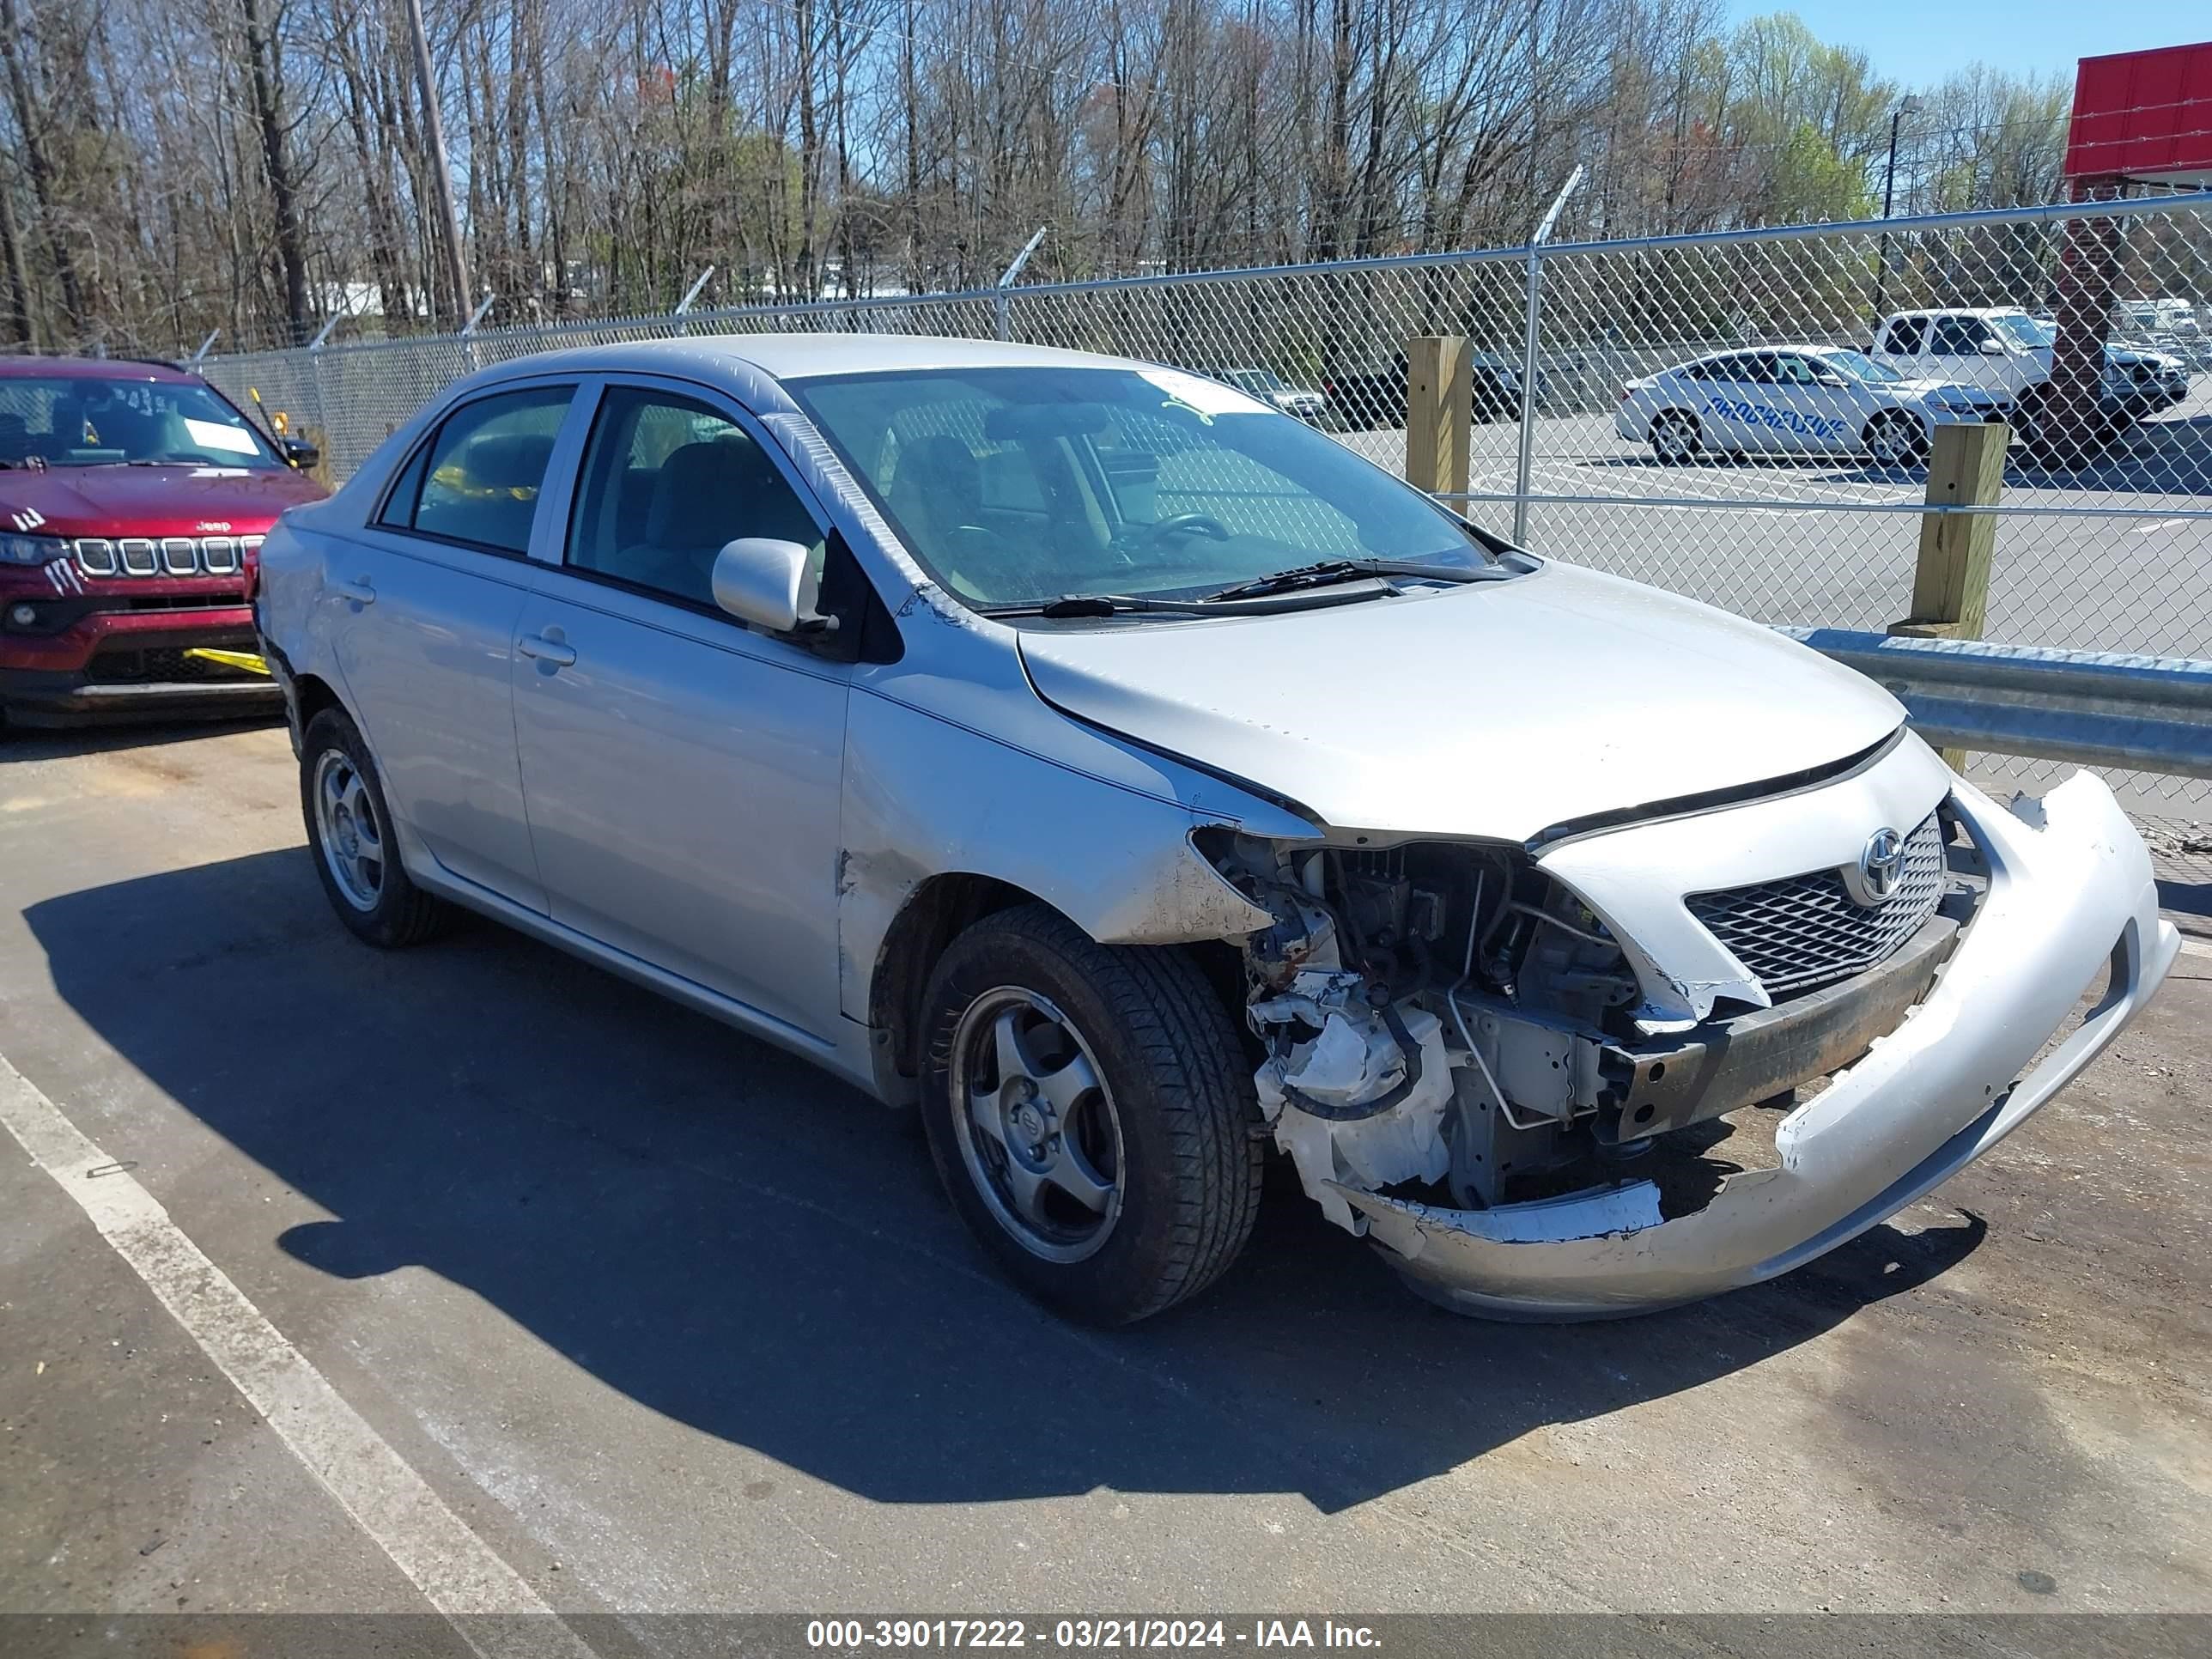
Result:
pixel 1909 105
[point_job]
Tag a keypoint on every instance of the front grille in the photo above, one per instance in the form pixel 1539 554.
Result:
pixel 1803 931
pixel 164 556
pixel 161 665
pixel 203 601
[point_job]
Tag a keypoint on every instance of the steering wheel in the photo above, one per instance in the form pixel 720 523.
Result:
pixel 1188 523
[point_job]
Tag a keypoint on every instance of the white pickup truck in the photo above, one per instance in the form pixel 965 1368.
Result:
pixel 2005 351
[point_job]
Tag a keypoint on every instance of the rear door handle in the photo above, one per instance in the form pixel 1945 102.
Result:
pixel 546 651
pixel 358 591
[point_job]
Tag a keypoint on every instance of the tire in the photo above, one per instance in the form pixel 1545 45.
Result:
pixel 1676 437
pixel 341 799
pixel 1894 440
pixel 1158 1129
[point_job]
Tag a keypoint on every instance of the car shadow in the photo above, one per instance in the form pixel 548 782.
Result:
pixel 34 742
pixel 731 1238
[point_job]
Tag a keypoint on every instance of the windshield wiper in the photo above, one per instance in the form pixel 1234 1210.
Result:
pixel 1331 571
pixel 1098 604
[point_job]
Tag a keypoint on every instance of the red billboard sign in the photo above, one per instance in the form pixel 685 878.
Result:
pixel 2144 116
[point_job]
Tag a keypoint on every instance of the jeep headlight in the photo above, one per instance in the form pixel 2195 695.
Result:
pixel 31 549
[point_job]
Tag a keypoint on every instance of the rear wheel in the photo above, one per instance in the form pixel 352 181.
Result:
pixel 1676 437
pixel 1896 439
pixel 349 833
pixel 1090 1112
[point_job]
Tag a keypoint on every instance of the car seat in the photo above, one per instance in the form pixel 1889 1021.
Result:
pixel 503 472
pixel 709 494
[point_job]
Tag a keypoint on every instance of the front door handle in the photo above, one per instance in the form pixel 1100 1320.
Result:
pixel 358 591
pixel 551 652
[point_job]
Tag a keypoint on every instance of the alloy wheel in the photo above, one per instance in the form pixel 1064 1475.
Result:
pixel 1036 1124
pixel 1674 439
pixel 346 827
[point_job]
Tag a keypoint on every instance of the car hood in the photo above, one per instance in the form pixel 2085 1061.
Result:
pixel 2131 356
pixel 1491 710
pixel 151 501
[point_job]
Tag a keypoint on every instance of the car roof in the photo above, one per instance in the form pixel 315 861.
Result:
pixel 20 367
pixel 803 356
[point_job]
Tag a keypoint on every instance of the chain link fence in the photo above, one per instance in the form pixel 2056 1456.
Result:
pixel 1744 417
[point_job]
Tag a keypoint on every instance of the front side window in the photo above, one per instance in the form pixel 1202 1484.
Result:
pixel 667 484
pixel 478 480
pixel 81 421
pixel 1020 485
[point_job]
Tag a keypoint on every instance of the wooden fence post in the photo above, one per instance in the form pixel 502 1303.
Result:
pixel 1439 414
pixel 1951 582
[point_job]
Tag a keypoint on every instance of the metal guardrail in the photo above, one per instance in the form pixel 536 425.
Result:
pixel 2090 707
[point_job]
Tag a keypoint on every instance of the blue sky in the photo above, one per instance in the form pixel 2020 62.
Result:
pixel 1917 43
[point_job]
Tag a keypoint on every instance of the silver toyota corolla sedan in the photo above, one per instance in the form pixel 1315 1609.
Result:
pixel 1138 780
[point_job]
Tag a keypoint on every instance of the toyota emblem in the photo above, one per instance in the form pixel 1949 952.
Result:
pixel 1880 863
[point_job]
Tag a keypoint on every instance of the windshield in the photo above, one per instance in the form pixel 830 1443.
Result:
pixel 1860 367
pixel 2026 331
pixel 1018 486
pixel 1257 381
pixel 71 421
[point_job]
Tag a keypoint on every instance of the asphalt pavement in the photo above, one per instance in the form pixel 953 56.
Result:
pixel 2083 580
pixel 541 1287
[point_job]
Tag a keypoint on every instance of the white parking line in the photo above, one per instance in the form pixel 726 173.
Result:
pixel 460 1574
pixel 2190 947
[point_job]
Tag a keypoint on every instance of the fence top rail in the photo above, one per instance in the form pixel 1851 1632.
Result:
pixel 2196 200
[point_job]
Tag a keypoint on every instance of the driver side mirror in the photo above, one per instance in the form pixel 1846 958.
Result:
pixel 1993 349
pixel 766 582
pixel 299 453
pixel 1830 379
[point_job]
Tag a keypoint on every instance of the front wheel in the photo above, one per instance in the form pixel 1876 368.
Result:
pixel 350 835
pixel 1090 1113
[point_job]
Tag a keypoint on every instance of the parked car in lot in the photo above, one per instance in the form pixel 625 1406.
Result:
pixel 1134 778
pixel 1367 402
pixel 133 499
pixel 2004 351
pixel 1269 387
pixel 1794 400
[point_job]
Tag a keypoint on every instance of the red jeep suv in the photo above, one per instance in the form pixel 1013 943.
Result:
pixel 133 499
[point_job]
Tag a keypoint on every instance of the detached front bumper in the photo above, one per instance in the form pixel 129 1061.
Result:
pixel 1952 1080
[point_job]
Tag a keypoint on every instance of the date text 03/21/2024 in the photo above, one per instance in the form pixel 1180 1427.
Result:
pixel 855 1635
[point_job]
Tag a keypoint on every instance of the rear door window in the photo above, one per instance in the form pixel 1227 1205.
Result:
pixel 1906 334
pixel 477 480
